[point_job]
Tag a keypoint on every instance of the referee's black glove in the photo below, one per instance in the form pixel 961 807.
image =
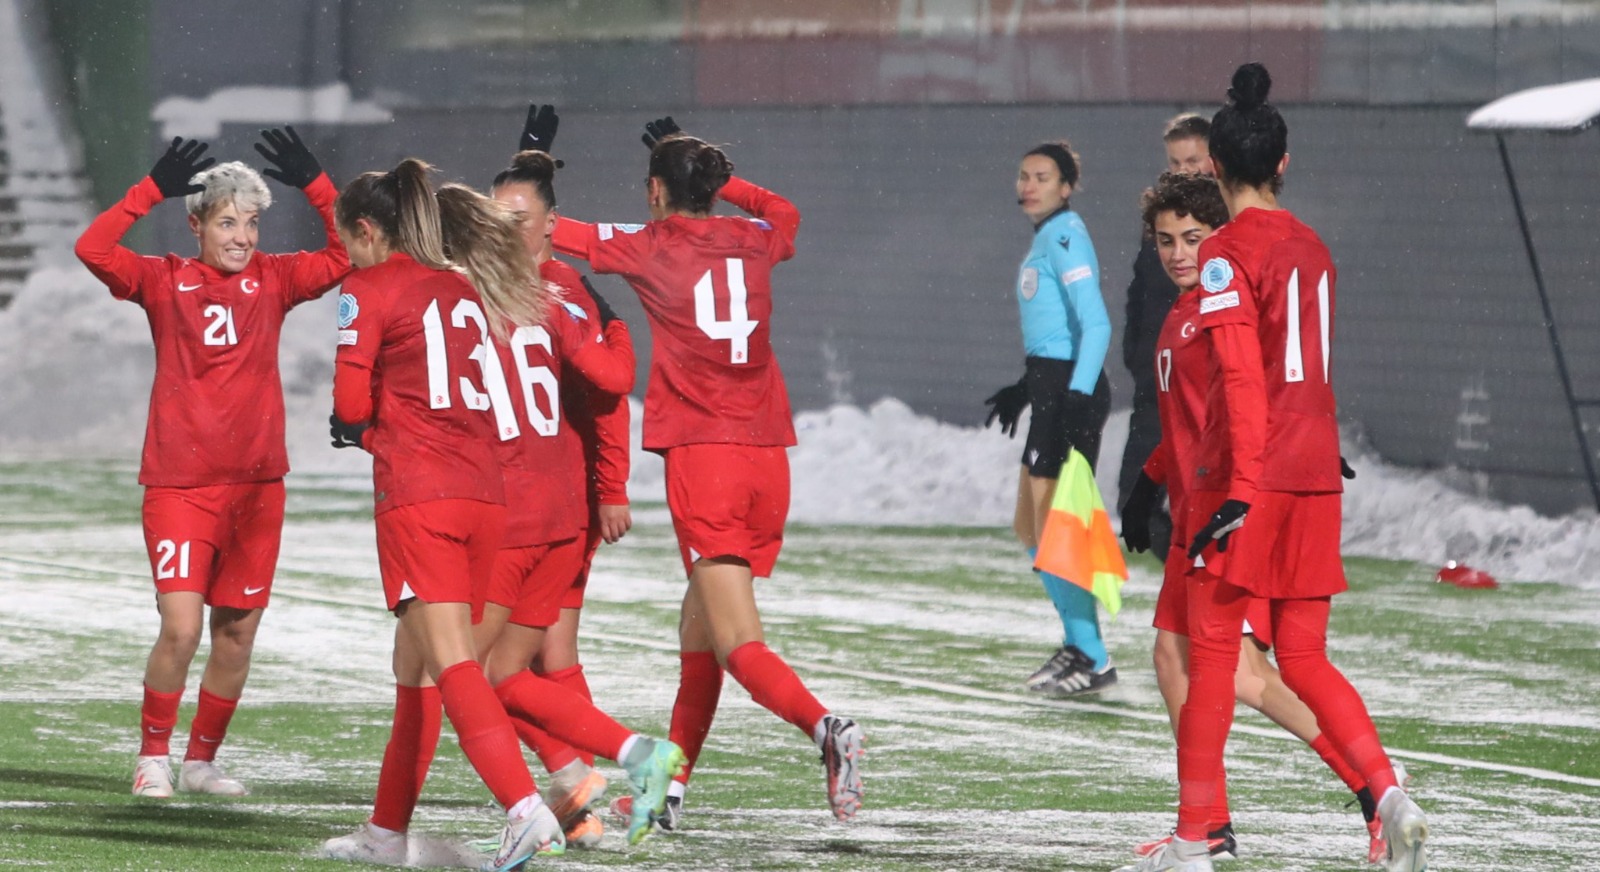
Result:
pixel 1227 519
pixel 345 435
pixel 1007 404
pixel 1136 511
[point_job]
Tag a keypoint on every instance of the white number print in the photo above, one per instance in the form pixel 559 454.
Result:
pixel 531 377
pixel 494 395
pixel 1294 369
pixel 220 331
pixel 1164 369
pixel 738 327
pixel 166 550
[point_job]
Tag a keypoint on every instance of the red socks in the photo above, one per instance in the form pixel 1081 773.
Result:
pixel 1331 756
pixel 210 726
pixel 552 752
pixel 774 686
pixel 564 714
pixel 699 690
pixel 157 717
pixel 412 740
pixel 572 679
pixel 485 732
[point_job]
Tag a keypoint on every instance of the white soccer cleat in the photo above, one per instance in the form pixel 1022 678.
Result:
pixel 572 789
pixel 537 832
pixel 1170 856
pixel 367 845
pixel 843 746
pixel 203 776
pixel 1405 829
pixel 152 777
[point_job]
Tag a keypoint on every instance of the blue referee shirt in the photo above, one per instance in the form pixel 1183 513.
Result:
pixel 1058 293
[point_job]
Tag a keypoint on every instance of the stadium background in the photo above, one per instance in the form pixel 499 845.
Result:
pixel 895 125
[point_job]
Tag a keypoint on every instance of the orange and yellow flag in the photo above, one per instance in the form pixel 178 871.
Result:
pixel 1078 544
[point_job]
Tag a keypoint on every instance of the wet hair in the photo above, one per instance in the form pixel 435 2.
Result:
pixel 481 237
pixel 1248 136
pixel 402 205
pixel 692 170
pixel 1188 125
pixel 1184 194
pixel 531 167
pixel 1066 159
pixel 231 182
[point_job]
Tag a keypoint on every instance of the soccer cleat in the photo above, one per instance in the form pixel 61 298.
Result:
pixel 367 845
pixel 569 798
pixel 1377 846
pixel 843 746
pixel 537 832
pixel 152 777
pixel 1063 658
pixel 1220 842
pixel 585 832
pixel 1405 829
pixel 651 766
pixel 671 818
pixel 203 776
pixel 1167 855
pixel 1079 678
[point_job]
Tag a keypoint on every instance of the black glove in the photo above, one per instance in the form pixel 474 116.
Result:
pixel 1136 511
pixel 1227 519
pixel 1344 468
pixel 1007 404
pixel 345 435
pixel 539 131
pixel 607 314
pixel 175 168
pixel 296 165
pixel 659 129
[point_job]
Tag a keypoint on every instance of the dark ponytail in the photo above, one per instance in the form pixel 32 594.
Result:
pixel 1067 160
pixel 401 204
pixel 692 170
pixel 531 167
pixel 1248 136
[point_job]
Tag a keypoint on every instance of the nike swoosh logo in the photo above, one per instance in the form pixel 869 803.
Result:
pixel 156 731
pixel 184 287
pixel 252 591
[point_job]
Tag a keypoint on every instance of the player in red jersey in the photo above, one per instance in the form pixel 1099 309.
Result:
pixel 717 411
pixel 418 383
pixel 1264 513
pixel 214 457
pixel 1180 213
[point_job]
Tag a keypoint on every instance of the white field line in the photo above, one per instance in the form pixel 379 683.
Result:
pixel 961 690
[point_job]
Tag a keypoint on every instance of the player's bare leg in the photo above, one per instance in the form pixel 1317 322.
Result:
pixel 166 670
pixel 1171 659
pixel 560 648
pixel 233 639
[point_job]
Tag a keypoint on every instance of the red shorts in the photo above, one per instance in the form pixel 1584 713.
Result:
pixel 439 551
pixel 220 540
pixel 1172 604
pixel 573 598
pixel 532 581
pixel 729 501
pixel 1288 547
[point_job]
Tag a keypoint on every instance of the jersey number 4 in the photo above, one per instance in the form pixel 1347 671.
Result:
pixel 493 395
pixel 738 327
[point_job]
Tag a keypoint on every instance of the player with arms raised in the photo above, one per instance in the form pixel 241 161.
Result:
pixel 1265 511
pixel 214 456
pixel 717 410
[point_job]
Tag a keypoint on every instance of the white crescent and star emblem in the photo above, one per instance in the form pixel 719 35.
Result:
pixel 1186 330
pixel 249 286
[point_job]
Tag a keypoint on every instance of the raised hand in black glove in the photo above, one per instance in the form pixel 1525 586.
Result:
pixel 345 435
pixel 1007 404
pixel 295 165
pixel 659 129
pixel 1227 519
pixel 1345 469
pixel 175 168
pixel 607 314
pixel 1136 511
pixel 539 131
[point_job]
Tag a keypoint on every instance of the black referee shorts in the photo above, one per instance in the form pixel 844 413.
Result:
pixel 1053 431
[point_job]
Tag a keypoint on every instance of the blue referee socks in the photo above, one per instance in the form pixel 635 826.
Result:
pixel 1080 623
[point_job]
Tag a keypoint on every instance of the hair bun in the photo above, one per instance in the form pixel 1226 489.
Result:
pixel 1251 83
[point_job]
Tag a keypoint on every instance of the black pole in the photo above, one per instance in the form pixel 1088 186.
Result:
pixel 1550 326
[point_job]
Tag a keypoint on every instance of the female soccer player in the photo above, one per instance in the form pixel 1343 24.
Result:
pixel 417 383
pixel 1065 334
pixel 717 411
pixel 214 456
pixel 1265 515
pixel 1180 213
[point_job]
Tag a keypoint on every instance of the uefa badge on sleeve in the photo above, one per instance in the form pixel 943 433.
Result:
pixel 348 310
pixel 1216 275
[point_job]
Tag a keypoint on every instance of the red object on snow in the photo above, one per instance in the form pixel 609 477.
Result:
pixel 1461 575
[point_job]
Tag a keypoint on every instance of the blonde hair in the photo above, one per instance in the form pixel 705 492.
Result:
pixel 401 204
pixel 231 182
pixel 482 237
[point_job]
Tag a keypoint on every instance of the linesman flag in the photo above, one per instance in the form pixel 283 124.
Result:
pixel 1078 544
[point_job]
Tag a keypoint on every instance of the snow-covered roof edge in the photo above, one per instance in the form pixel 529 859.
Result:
pixel 1566 107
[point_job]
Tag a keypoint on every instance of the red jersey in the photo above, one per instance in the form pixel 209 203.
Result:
pixel 216 406
pixel 416 359
pixel 1267 300
pixel 543 468
pixel 601 419
pixel 705 285
pixel 1185 371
